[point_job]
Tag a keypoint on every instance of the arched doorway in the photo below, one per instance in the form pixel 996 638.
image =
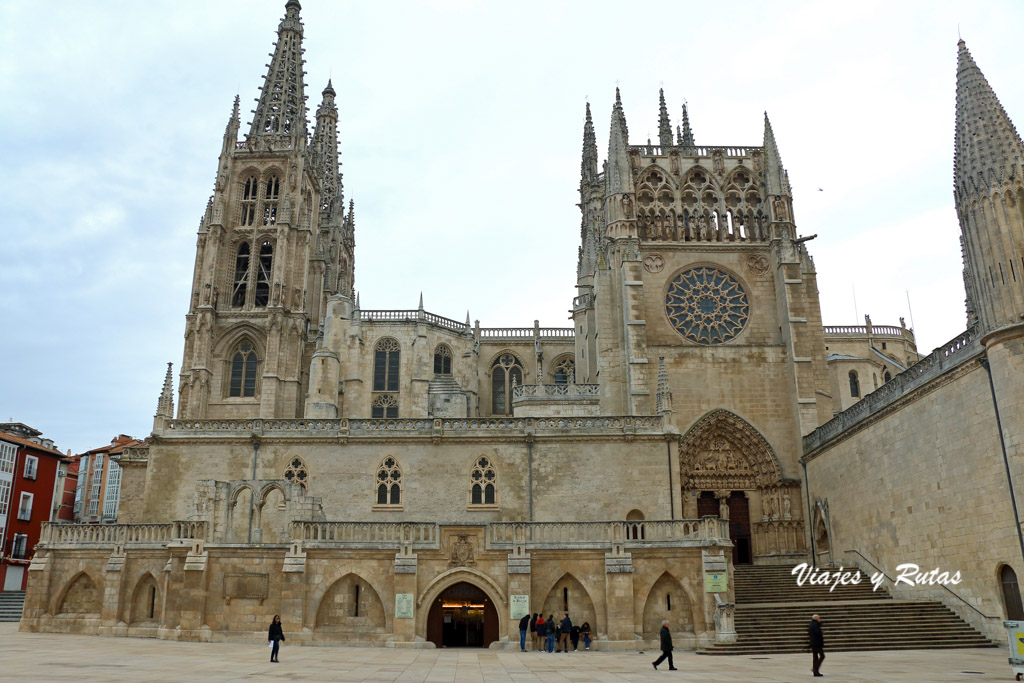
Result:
pixel 462 616
pixel 1011 594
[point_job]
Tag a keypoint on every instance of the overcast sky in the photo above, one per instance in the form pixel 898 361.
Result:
pixel 461 127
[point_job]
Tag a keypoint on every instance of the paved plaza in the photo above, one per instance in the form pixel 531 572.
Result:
pixel 49 657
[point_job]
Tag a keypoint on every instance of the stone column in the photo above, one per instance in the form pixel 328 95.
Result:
pixel 519 583
pixel 618 567
pixel 111 611
pixel 38 592
pixel 404 630
pixel 193 592
pixel 293 587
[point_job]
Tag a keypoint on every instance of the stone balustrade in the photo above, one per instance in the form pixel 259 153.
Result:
pixel 779 537
pixel 697 532
pixel 694 151
pixel 555 391
pixel 864 331
pixel 432 427
pixel 110 535
pixel 958 350
pixel 390 535
pixel 409 316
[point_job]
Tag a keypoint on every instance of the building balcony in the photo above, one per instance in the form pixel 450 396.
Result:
pixel 551 400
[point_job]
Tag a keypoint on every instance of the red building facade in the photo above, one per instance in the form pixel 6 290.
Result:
pixel 33 489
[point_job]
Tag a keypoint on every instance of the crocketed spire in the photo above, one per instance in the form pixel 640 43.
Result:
pixel 686 135
pixel 281 107
pixel 776 178
pixel 588 166
pixel 988 150
pixel 325 152
pixel 618 178
pixel 664 125
pixel 165 404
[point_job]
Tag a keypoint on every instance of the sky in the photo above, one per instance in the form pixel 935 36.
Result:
pixel 460 129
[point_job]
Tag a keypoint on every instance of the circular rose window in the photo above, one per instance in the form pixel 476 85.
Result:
pixel 706 305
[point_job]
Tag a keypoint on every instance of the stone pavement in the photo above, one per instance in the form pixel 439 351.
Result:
pixel 53 657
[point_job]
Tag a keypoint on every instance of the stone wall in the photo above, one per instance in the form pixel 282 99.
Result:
pixel 913 479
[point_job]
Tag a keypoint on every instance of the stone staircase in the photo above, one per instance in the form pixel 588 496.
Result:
pixel 11 605
pixel 772 614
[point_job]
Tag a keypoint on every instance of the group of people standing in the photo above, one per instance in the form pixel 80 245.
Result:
pixel 544 633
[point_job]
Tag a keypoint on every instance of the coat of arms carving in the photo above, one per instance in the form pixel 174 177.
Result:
pixel 462 553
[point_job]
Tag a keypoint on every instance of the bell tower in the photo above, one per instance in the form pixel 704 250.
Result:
pixel 273 244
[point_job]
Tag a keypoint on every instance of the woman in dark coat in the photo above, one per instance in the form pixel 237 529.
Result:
pixel 275 636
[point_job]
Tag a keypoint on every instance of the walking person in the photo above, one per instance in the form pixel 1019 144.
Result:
pixel 274 636
pixel 533 630
pixel 551 628
pixel 542 633
pixel 574 636
pixel 524 626
pixel 585 632
pixel 666 647
pixel 563 630
pixel 817 642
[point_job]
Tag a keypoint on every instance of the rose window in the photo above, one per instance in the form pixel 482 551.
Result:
pixel 707 306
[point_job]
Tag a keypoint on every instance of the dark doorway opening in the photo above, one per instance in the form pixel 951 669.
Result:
pixel 462 616
pixel 739 527
pixel 1011 594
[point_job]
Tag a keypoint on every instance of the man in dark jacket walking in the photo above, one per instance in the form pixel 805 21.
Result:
pixel 666 647
pixel 817 642
pixel 563 634
pixel 524 626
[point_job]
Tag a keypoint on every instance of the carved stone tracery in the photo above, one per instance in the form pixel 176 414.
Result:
pixel 723 451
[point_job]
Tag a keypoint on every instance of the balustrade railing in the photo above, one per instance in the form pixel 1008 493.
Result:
pixel 370 534
pixel 411 316
pixel 601 534
pixel 694 151
pixel 862 330
pixel 555 391
pixel 53 534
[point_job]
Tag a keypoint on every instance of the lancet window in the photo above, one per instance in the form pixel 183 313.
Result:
pixel 263 269
pixel 854 384
pixel 270 199
pixel 505 372
pixel 442 360
pixel 389 482
pixel 483 482
pixel 241 275
pixel 384 406
pixel 249 192
pixel 244 364
pixel 385 365
pixel 565 371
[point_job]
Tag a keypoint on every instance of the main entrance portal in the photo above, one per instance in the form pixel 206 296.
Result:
pixel 462 616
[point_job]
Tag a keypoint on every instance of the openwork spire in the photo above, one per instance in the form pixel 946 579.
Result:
pixel 988 149
pixel 776 178
pixel 165 404
pixel 664 395
pixel 618 178
pixel 281 108
pixel 325 152
pixel 664 125
pixel 685 134
pixel 588 166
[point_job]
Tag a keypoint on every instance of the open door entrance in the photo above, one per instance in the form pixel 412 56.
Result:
pixel 462 616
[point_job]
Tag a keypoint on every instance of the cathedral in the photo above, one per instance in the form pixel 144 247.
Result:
pixel 401 478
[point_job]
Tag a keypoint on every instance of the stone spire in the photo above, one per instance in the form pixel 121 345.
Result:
pixel 776 177
pixel 988 176
pixel 231 130
pixel 165 404
pixel 988 150
pixel 325 153
pixel 618 177
pixel 281 107
pixel 664 125
pixel 664 395
pixel 588 166
pixel 686 135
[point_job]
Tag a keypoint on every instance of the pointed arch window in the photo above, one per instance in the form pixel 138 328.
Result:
pixel 483 483
pixel 297 473
pixel 1011 594
pixel 241 275
pixel 886 376
pixel 243 371
pixel 385 365
pixel 389 482
pixel 505 372
pixel 249 192
pixel 442 360
pixel 270 199
pixel 264 267
pixel 385 406
pixel 565 371
pixel 854 384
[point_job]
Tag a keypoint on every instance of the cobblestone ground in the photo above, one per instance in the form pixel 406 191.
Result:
pixel 46 657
